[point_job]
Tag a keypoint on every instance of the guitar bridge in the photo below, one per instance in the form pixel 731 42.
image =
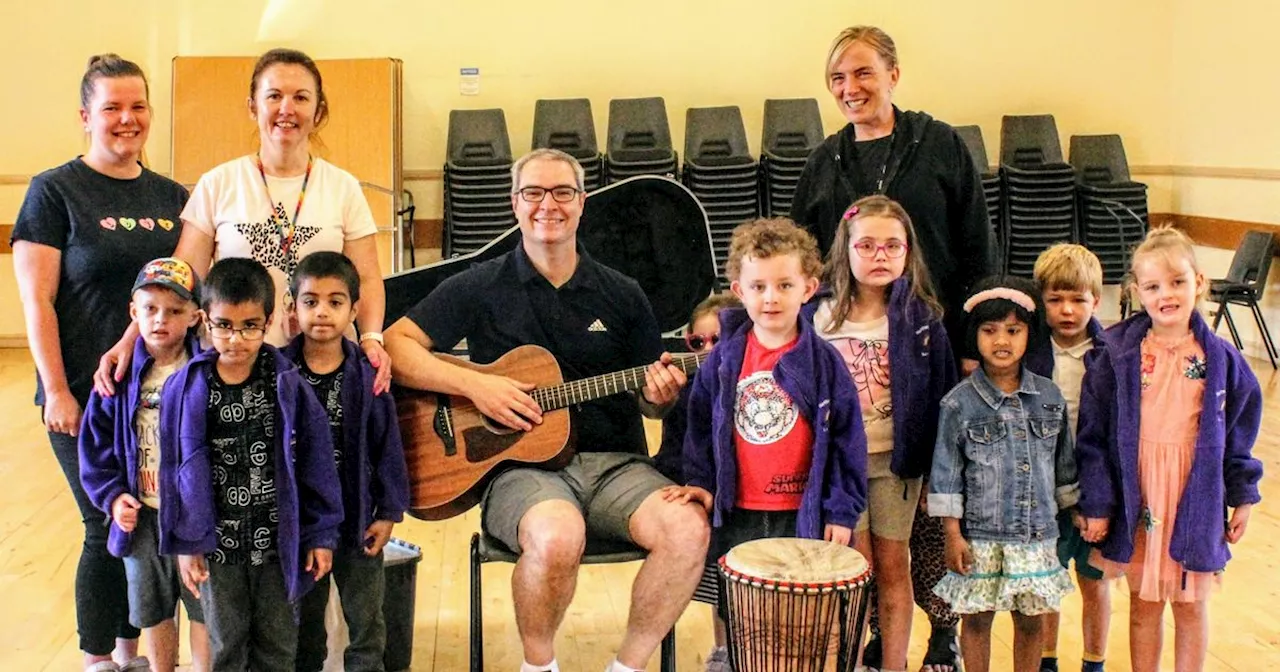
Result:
pixel 443 425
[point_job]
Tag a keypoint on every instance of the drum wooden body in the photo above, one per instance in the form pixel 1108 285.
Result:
pixel 794 605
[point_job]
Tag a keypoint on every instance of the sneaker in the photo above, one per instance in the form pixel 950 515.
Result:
pixel 138 664
pixel 718 660
pixel 104 666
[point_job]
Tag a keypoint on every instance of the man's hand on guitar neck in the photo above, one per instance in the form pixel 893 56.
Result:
pixel 662 383
pixel 503 399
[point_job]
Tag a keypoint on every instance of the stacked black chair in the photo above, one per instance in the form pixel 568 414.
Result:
pixel 1243 286
pixel 1113 208
pixel 721 173
pixel 792 130
pixel 972 136
pixel 477 181
pixel 639 140
pixel 1039 190
pixel 567 125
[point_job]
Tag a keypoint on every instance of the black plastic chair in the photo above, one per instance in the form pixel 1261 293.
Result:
pixel 1243 286
pixel 485 548
pixel 1029 141
pixel 478 138
pixel 1099 159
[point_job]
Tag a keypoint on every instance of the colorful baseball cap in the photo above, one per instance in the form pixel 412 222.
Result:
pixel 171 273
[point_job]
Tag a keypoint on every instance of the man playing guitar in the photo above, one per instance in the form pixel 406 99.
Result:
pixel 549 292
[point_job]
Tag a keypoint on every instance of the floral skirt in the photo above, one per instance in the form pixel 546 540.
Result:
pixel 1022 577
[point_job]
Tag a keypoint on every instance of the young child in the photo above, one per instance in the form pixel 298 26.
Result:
pixel 703 334
pixel 1003 467
pixel 367 449
pixel 120 459
pixel 1070 281
pixel 775 445
pixel 251 496
pixel 878 307
pixel 1168 416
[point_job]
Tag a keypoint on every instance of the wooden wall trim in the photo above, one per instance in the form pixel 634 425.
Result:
pixel 1224 234
pixel 423 174
pixel 6 230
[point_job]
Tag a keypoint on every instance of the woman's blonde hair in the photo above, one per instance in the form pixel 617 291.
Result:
pixel 838 274
pixel 1171 244
pixel 870 35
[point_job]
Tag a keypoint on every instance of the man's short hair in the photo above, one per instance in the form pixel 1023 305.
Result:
pixel 546 154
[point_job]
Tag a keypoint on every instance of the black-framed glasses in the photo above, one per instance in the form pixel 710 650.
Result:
pixel 561 194
pixel 697 342
pixel 246 333
pixel 866 249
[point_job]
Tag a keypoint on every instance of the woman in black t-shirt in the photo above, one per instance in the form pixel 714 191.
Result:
pixel 84 231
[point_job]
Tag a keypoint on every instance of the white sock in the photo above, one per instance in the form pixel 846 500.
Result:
pixel 552 666
pixel 615 666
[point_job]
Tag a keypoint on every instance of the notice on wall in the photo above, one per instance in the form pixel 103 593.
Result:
pixel 469 81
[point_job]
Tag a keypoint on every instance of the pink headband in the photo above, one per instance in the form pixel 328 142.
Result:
pixel 848 214
pixel 1007 293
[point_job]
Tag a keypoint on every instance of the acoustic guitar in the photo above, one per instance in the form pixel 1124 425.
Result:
pixel 452 449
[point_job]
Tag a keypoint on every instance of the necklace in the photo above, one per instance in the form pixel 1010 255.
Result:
pixel 288 228
pixel 884 168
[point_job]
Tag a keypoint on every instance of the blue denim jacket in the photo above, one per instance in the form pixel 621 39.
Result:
pixel 1004 463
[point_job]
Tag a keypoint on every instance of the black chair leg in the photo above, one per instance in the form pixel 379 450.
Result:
pixel 477 606
pixel 1265 332
pixel 1217 315
pixel 668 663
pixel 1231 326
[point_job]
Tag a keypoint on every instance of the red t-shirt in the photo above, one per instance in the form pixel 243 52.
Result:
pixel 774 443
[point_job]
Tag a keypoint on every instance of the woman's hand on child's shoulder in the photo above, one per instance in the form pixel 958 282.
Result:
pixel 683 494
pixel 1238 523
pixel 1095 529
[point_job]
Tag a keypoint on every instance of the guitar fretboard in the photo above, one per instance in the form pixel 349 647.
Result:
pixel 589 389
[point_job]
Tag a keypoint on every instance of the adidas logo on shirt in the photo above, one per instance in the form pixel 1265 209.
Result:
pixel 597 326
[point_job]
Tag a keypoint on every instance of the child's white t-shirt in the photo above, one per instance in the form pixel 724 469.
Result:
pixel 865 349
pixel 230 205
pixel 1068 375
pixel 147 425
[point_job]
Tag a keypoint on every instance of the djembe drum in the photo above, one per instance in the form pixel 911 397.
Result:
pixel 794 604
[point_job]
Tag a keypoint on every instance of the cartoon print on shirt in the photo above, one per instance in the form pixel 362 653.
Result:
pixel 764 413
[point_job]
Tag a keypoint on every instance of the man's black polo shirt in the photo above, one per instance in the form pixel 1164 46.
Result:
pixel 598 322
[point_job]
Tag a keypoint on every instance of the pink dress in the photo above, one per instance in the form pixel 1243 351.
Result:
pixel 1172 387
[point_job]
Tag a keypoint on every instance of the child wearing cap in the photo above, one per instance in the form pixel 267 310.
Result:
pixel 120 458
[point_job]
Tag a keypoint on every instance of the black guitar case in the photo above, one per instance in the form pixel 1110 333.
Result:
pixel 650 228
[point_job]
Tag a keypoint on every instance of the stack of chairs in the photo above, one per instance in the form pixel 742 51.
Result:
pixel 1039 191
pixel 1113 209
pixel 477 181
pixel 639 140
pixel 721 173
pixel 972 136
pixel 792 130
pixel 567 125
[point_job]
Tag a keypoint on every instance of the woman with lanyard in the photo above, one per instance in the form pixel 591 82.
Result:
pixel 282 204
pixel 923 165
pixel 84 231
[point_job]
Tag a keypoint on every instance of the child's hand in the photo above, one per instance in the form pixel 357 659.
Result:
pixel 1078 521
pixel 683 494
pixel 1239 521
pixel 319 562
pixel 193 571
pixel 376 537
pixel 124 511
pixel 1095 529
pixel 959 554
pixel 837 534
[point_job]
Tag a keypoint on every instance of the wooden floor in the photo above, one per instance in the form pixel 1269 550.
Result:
pixel 40 537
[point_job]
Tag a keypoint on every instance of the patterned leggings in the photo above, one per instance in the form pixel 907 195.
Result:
pixel 928 566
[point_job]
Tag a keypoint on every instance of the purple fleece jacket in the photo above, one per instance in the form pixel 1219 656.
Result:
pixel 373 456
pixel 109 443
pixel 307 491
pixel 814 375
pixel 922 369
pixel 1223 473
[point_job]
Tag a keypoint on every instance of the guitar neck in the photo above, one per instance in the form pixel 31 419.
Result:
pixel 590 389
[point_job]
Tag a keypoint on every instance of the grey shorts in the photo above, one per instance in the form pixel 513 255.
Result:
pixel 154 585
pixel 605 487
pixel 891 501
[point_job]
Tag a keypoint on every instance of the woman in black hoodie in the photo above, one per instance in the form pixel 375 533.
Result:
pixel 923 164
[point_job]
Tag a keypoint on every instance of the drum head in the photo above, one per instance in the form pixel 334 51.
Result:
pixel 796 561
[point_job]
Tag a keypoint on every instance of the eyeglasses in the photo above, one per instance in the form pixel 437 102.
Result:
pixel 246 333
pixel 697 342
pixel 868 250
pixel 561 194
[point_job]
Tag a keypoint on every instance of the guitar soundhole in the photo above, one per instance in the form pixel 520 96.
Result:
pixel 484 443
